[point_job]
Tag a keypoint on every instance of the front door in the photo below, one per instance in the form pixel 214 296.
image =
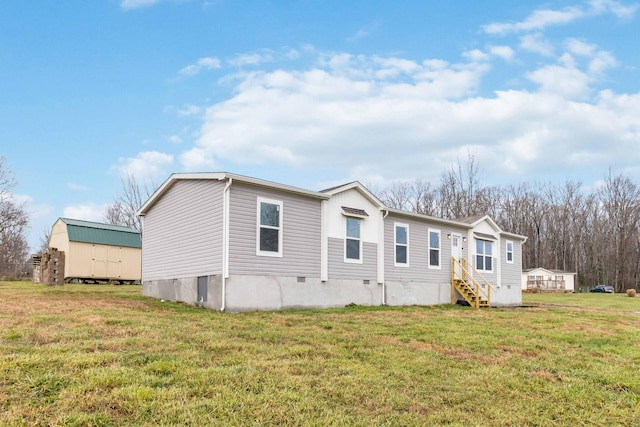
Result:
pixel 456 252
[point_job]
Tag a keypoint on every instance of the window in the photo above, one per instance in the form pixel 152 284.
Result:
pixel 434 248
pixel 484 253
pixel 269 228
pixel 353 244
pixel 402 245
pixel 509 252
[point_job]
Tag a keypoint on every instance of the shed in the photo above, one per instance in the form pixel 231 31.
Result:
pixel 96 251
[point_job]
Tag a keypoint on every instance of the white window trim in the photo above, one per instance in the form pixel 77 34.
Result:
pixel 279 228
pixel 493 258
pixel 395 244
pixel 507 251
pixel 359 239
pixel 439 266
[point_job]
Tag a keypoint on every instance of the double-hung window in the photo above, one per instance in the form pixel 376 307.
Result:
pixel 352 242
pixel 402 245
pixel 434 248
pixel 509 252
pixel 269 228
pixel 484 255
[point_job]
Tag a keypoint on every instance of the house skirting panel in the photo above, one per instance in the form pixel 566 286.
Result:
pixel 246 293
pixel 185 290
pixel 250 293
pixel 399 293
pixel 507 295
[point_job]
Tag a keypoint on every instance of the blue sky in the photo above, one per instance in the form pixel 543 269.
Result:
pixel 311 93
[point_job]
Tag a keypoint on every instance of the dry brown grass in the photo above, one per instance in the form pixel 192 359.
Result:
pixel 105 356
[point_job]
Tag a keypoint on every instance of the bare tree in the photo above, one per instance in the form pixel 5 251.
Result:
pixel 13 225
pixel 461 192
pixel 44 241
pixel 7 180
pixel 123 210
pixel 620 201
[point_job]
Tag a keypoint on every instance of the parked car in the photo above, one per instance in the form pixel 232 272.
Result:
pixel 602 288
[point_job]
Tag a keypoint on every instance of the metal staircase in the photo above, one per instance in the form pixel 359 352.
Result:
pixel 465 284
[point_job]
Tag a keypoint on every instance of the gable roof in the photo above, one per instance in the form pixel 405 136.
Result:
pixel 222 176
pixel 357 186
pixel 473 221
pixel 103 234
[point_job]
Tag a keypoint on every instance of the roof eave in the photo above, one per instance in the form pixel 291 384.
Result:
pixel 222 176
pixel 429 218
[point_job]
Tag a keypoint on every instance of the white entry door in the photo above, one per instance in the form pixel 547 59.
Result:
pixel 456 251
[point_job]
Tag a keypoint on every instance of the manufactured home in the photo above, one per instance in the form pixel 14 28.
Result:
pixel 541 279
pixel 236 243
pixel 97 252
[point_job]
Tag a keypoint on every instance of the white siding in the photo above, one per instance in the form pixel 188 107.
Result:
pixel 182 235
pixel 301 219
pixel 353 199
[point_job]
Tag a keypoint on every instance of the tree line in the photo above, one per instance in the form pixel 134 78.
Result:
pixel 593 232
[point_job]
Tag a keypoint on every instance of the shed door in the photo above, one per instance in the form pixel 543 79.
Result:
pixel 202 289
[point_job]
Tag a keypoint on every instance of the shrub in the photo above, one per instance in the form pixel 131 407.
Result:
pixel 631 293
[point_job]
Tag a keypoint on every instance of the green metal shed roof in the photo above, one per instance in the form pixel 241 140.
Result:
pixel 104 234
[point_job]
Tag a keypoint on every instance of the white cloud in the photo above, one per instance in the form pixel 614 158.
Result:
pixel 189 110
pixel 565 81
pixel 87 212
pixel 146 166
pixel 579 47
pixel 207 63
pixel 504 52
pixel 540 19
pixel 136 4
pixel 476 55
pixel 197 159
pixel 175 139
pixel 365 115
pixel 536 43
pixel 602 62
pixel 251 59
pixel 616 8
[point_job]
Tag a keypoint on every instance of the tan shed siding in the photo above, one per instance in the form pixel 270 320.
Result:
pixel 182 235
pixel 511 273
pixel 339 269
pixel 418 269
pixel 79 260
pixel 301 227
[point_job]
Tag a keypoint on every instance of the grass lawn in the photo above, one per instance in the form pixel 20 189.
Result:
pixel 104 355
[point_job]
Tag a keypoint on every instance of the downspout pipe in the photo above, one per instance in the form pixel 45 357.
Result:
pixel 225 241
pixel 384 302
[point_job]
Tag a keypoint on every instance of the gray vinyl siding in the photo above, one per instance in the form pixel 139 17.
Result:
pixel 339 269
pixel 301 228
pixel 418 269
pixel 182 234
pixel 511 273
